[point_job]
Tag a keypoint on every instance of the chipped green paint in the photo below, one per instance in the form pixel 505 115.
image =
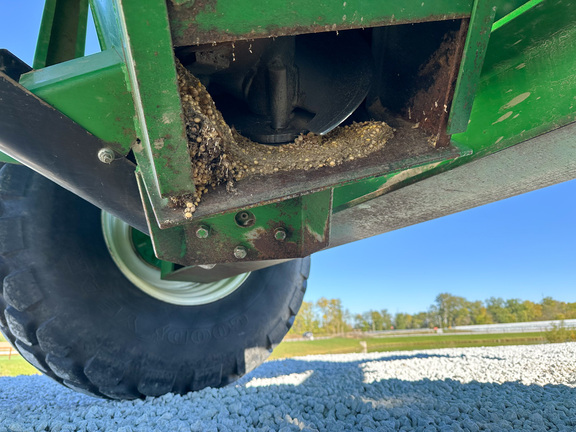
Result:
pixel 152 75
pixel 305 219
pixel 195 22
pixel 471 65
pixel 528 85
pixel 355 193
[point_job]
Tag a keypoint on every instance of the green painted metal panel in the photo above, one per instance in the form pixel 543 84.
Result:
pixel 4 158
pixel 105 15
pixel 356 193
pixel 528 85
pixel 527 88
pixel 92 91
pixel 471 65
pixel 62 34
pixel 152 73
pixel 196 22
pixel 304 219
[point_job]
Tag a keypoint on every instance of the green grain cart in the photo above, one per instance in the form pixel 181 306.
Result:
pixel 160 199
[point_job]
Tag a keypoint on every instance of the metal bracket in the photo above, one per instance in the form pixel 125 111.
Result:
pixel 40 137
pixel 289 229
pixel 85 89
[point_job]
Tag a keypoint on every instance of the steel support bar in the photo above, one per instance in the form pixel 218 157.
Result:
pixel 201 22
pixel 13 67
pixel 151 71
pixel 62 34
pixel 43 139
pixel 539 162
pixel 106 23
pixel 471 66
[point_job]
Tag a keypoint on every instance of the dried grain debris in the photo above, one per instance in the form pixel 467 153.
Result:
pixel 221 156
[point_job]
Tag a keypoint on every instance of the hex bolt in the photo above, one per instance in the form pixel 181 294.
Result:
pixel 280 234
pixel 240 252
pixel 202 232
pixel 106 155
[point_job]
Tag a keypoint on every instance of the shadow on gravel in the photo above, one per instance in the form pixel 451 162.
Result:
pixel 330 396
pixel 301 365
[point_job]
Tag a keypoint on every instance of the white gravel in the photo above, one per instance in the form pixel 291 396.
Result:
pixel 468 389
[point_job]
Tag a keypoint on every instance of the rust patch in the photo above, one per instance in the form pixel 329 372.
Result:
pixel 185 32
pixel 436 79
pixel 181 13
pixel 267 246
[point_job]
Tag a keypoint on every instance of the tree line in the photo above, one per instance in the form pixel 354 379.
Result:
pixel 328 316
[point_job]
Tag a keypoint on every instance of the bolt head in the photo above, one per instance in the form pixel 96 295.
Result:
pixel 106 155
pixel 280 234
pixel 202 232
pixel 240 252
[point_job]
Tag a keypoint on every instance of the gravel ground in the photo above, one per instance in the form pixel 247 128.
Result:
pixel 497 388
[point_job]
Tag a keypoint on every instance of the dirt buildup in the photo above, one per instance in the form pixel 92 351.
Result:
pixel 311 151
pixel 209 137
pixel 220 155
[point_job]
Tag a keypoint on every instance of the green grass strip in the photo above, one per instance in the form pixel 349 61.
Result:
pixel 403 343
pixel 15 366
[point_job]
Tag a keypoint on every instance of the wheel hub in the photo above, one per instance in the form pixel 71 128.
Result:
pixel 145 273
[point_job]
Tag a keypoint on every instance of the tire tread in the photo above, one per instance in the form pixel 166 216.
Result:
pixel 42 333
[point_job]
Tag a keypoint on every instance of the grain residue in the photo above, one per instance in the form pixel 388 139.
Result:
pixel 221 156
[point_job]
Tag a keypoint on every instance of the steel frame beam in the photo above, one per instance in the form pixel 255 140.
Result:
pixel 40 137
pixel 536 163
pixel 508 110
pixel 62 34
pixel 195 22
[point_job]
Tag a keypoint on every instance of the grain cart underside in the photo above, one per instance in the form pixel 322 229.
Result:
pixel 242 138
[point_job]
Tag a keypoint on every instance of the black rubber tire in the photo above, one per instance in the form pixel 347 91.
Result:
pixel 72 314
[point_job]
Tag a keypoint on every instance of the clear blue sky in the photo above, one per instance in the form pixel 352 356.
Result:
pixel 523 247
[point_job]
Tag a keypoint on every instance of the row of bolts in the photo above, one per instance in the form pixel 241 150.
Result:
pixel 107 156
pixel 240 252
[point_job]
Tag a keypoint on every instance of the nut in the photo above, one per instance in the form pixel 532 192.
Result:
pixel 202 232
pixel 280 234
pixel 240 252
pixel 106 155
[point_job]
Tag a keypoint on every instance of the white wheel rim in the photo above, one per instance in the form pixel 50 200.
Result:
pixel 146 277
